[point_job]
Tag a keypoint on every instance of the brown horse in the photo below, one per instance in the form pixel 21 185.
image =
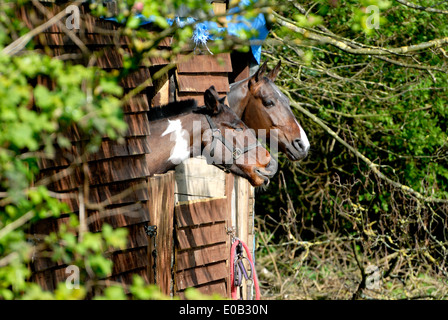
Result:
pixel 261 105
pixel 181 130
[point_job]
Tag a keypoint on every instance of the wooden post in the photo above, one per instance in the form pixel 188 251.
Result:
pixel 243 218
pixel 161 204
pixel 220 8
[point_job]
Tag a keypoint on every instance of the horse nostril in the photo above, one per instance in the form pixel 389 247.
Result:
pixel 300 145
pixel 271 168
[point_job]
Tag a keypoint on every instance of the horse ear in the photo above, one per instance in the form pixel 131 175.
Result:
pixel 260 72
pixel 258 75
pixel 274 72
pixel 222 100
pixel 211 100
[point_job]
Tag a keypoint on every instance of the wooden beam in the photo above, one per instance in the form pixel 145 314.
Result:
pixel 218 9
pixel 244 215
pixel 161 191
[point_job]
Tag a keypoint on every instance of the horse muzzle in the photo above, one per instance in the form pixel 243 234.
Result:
pixel 298 149
pixel 262 177
pixel 267 172
pixel 271 168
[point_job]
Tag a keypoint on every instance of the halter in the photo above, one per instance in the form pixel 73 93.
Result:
pixel 236 152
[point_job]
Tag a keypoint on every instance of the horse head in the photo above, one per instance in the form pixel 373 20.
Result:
pixel 230 145
pixel 261 105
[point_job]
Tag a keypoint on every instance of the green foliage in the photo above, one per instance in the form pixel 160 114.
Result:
pixel 34 120
pixel 28 130
pixel 195 294
pixel 391 109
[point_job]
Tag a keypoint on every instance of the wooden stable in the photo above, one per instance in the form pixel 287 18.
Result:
pixel 196 209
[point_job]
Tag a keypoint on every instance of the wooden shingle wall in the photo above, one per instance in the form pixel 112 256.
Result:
pixel 202 246
pixel 199 72
pixel 193 240
pixel 117 174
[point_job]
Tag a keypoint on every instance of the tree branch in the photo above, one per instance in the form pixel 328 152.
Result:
pixel 16 46
pixel 422 8
pixel 64 29
pixel 353 50
pixel 373 166
pixel 16 223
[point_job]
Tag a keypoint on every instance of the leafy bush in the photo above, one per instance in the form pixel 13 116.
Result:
pixel 376 120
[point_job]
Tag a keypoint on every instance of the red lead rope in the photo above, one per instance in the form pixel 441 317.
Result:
pixel 232 270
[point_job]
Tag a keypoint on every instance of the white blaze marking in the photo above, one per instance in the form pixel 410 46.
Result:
pixel 180 152
pixel 304 138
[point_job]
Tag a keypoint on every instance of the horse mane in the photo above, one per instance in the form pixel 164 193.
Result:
pixel 171 109
pixel 176 108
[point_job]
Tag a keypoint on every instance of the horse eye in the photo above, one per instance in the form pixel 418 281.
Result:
pixel 269 103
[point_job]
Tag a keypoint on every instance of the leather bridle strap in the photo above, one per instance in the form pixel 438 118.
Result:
pixel 217 135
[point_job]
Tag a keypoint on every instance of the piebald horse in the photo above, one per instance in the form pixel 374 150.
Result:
pixel 181 130
pixel 261 105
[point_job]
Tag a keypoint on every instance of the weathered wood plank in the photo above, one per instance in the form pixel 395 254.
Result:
pixel 134 220
pixel 161 203
pixel 204 63
pixel 157 61
pixel 118 217
pixel 220 8
pixel 44 279
pixel 91 40
pixel 118 169
pixel 230 178
pixel 126 278
pixel 137 78
pixel 201 275
pixel 41 264
pixel 108 149
pixel 109 59
pixel 120 193
pixel 197 180
pixel 138 125
pixel 202 256
pixel 129 260
pixel 218 287
pixel 125 192
pixel 60 274
pixel 191 213
pixel 138 103
pixel 101 172
pixel 136 236
pixel 162 96
pixel 201 236
pixel 201 82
